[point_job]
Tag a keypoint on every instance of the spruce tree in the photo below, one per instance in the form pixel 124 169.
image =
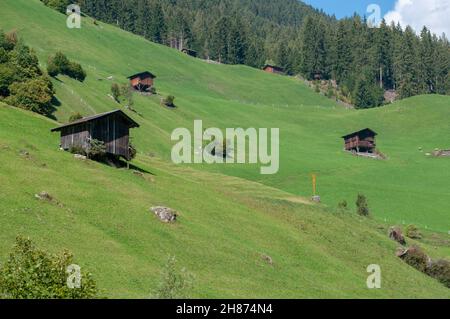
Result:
pixel 427 75
pixel 343 53
pixel 408 84
pixel 313 52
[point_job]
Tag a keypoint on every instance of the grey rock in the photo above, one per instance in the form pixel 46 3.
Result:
pixel 267 259
pixel 80 157
pixel 316 199
pixel 44 196
pixel 165 214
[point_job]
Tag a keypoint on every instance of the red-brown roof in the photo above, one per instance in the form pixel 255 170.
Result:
pixel 273 66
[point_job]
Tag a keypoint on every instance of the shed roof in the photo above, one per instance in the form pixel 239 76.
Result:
pixel 272 66
pixel 188 50
pixel 142 74
pixel 128 119
pixel 366 130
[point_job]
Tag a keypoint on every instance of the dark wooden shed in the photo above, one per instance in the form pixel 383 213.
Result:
pixel 190 52
pixel 273 69
pixel 112 128
pixel 142 81
pixel 361 141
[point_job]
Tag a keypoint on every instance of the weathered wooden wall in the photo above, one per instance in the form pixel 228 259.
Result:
pixel 148 81
pixel 362 142
pixel 112 130
pixel 77 135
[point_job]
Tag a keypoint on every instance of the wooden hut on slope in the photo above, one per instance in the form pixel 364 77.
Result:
pixel 190 52
pixel 112 128
pixel 361 141
pixel 273 69
pixel 143 81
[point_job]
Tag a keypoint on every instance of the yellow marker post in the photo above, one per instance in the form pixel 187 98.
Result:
pixel 315 198
pixel 314 183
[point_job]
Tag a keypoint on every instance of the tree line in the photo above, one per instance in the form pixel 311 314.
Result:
pixel 364 61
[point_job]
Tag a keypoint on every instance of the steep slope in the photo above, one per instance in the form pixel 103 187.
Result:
pixel 408 188
pixel 225 227
pixel 226 222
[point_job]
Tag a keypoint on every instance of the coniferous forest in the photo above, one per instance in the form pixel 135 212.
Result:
pixel 364 61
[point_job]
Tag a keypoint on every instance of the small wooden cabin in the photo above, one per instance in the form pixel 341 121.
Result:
pixel 318 76
pixel 113 128
pixel 142 81
pixel 190 52
pixel 361 141
pixel 273 69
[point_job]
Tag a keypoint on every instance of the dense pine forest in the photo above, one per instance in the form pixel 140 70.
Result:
pixel 364 61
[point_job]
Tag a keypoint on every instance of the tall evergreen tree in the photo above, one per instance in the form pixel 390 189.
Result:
pixel 237 42
pixel 156 26
pixel 382 56
pixel 426 69
pixel 343 53
pixel 408 84
pixel 313 53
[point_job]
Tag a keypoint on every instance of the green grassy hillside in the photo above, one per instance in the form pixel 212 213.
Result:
pixel 226 225
pixel 230 215
pixel 407 188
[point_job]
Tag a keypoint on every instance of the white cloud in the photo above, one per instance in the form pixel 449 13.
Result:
pixel 434 14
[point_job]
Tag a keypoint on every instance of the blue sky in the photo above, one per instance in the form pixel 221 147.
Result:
pixel 415 13
pixel 344 8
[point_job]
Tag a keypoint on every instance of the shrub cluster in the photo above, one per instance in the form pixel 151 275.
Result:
pixel 77 149
pixel 440 270
pixel 33 273
pixel 75 117
pixel 169 101
pixel 60 64
pixel 122 90
pixel 132 151
pixel 362 206
pixel 174 283
pixel 22 83
pixel 96 150
pixel 343 206
pixel 59 5
pixel 417 258
pixel 413 232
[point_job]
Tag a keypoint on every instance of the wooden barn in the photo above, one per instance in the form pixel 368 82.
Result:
pixel 361 141
pixel 142 81
pixel 113 128
pixel 273 69
pixel 190 52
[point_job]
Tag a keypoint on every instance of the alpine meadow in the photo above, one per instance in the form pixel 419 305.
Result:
pixel 363 152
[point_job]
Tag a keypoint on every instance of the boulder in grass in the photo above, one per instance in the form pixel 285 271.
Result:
pixel 395 233
pixel 267 259
pixel 44 196
pixel 80 157
pixel 165 214
pixel 316 199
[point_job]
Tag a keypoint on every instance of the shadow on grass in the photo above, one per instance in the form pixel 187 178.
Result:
pixel 113 161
